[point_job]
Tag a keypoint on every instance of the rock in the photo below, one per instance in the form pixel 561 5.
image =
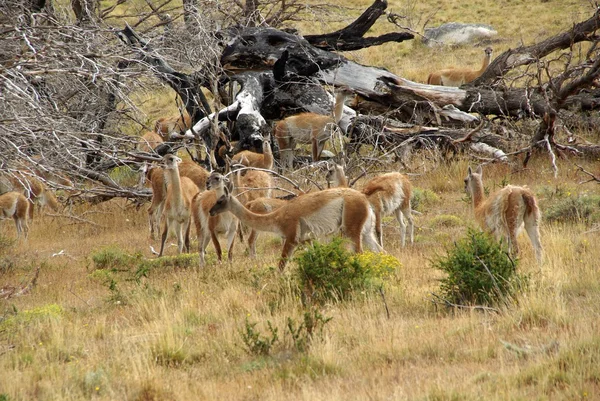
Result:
pixel 458 33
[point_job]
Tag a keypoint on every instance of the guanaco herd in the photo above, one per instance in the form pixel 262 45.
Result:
pixel 184 193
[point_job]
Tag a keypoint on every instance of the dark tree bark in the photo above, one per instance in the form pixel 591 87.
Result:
pixel 85 11
pixel 351 37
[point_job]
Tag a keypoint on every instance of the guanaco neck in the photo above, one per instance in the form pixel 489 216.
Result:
pixel 175 182
pixel 338 108
pixel 260 222
pixel 477 194
pixel 340 179
pixel 268 155
pixel 486 62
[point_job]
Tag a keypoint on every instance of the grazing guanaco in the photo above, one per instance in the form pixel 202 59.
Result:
pixel 388 193
pixel 253 159
pixel 320 213
pixel 165 125
pixel 14 204
pixel 176 213
pixel 208 226
pixel 459 76
pixel 505 212
pixel 308 128
pixel 155 175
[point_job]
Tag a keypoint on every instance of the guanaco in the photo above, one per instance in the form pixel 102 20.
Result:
pixel 149 141
pixel 505 211
pixel 176 213
pixel 308 128
pixel 388 193
pixel 253 159
pixel 320 213
pixel 155 175
pixel 459 76
pixel 208 227
pixel 35 192
pixel 14 204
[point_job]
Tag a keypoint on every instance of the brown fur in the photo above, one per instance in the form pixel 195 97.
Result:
pixel 35 192
pixel 209 227
pixel 505 211
pixel 253 159
pixel 178 200
pixel 307 128
pixel 165 125
pixel 388 193
pixel 149 141
pixel 15 205
pixel 155 175
pixel 319 213
pixel 261 206
pixel 459 76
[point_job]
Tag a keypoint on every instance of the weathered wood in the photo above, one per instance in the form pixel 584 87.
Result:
pixel 524 55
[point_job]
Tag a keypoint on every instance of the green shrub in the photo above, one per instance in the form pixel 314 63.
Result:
pixel 479 271
pixel 423 199
pixel 303 333
pixel 574 209
pixel 255 342
pixel 330 272
pixel 112 257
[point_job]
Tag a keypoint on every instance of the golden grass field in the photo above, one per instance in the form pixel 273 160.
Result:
pixel 87 333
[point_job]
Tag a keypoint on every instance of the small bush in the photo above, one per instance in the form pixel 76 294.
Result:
pixel 423 199
pixel 255 342
pixel 479 271
pixel 303 333
pixel 330 272
pixel 575 209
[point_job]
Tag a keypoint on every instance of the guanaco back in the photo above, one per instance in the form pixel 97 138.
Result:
pixel 460 76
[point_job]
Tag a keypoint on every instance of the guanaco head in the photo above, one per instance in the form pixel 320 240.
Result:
pixel 222 204
pixel 218 182
pixel 333 172
pixel 171 161
pixel 471 177
pixel 488 52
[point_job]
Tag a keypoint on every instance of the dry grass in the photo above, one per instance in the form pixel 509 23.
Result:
pixel 86 333
pixel 175 334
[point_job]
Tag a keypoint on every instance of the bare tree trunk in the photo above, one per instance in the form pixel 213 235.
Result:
pixel 85 11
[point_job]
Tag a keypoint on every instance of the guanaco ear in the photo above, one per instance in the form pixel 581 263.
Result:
pixel 469 171
pixel 479 170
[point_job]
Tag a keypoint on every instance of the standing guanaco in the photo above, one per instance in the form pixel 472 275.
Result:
pixel 388 193
pixel 308 128
pixel 253 159
pixel 320 213
pixel 177 214
pixel 505 212
pixel 460 76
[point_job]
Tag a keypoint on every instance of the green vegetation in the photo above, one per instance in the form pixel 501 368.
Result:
pixel 479 271
pixel 328 272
